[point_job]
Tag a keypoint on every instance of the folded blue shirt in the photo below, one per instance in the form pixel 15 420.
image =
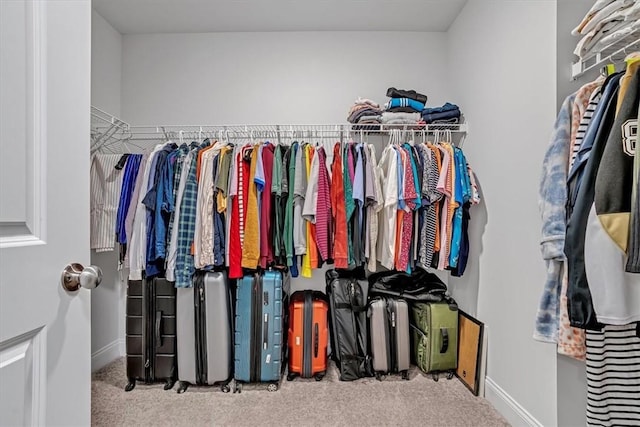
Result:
pixel 445 115
pixel 446 107
pixel 405 102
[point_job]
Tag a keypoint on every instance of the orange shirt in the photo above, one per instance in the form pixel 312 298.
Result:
pixel 251 245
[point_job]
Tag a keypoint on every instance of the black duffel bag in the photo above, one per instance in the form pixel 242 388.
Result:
pixel 419 286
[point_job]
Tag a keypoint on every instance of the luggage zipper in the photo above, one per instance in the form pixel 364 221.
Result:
pixel 307 335
pixel 360 346
pixel 149 340
pixel 196 328
pixel 393 336
pixel 202 320
pixel 256 347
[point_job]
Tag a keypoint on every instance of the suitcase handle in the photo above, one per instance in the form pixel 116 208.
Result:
pixel 158 329
pixel 444 334
pixel 316 340
pixel 265 332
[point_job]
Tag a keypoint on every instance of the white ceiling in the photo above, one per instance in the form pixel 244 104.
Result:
pixel 194 16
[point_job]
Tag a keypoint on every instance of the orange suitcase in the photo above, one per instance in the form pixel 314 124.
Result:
pixel 308 335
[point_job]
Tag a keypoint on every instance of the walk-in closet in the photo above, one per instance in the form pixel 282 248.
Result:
pixel 319 213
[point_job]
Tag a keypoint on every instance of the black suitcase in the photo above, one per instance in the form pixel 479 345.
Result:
pixel 151 332
pixel 348 326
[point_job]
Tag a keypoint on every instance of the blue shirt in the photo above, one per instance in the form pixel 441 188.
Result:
pixel 358 184
pixel 153 214
pixel 462 191
pixel 401 203
pixel 131 170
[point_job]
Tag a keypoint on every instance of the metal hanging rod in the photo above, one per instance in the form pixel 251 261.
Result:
pixel 287 131
pixel 109 130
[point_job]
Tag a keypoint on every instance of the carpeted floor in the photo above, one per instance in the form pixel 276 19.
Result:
pixel 368 402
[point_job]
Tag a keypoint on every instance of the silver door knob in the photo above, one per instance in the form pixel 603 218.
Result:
pixel 75 276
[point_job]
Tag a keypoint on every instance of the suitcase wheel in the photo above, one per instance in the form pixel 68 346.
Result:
pixel 319 376
pixel 225 388
pixel 435 376
pixel 450 375
pixel 169 384
pixel 238 388
pixel 405 375
pixel 182 387
pixel 272 387
pixel 291 377
pixel 130 385
pixel 379 376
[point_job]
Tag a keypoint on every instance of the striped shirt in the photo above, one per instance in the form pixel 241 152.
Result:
pixel 323 207
pixel 584 125
pixel 106 182
pixel 613 376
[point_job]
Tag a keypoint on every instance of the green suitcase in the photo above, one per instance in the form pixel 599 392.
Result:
pixel 435 337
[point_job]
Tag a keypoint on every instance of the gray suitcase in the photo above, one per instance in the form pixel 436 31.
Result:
pixel 390 339
pixel 204 332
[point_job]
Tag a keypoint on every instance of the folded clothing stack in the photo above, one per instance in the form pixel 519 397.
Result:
pixel 409 120
pixel 404 107
pixel 366 114
pixel 606 23
pixel 447 114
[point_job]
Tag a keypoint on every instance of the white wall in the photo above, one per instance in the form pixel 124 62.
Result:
pixel 502 57
pixel 572 374
pixel 260 78
pixel 107 301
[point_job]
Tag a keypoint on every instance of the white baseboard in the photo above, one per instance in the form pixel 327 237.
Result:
pixel 107 354
pixel 515 413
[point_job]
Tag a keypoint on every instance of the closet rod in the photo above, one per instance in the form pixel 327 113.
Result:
pixel 145 132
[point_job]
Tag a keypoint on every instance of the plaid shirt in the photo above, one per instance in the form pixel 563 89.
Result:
pixel 181 154
pixel 185 266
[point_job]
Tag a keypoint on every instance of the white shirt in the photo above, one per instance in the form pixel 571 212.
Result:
pixel 138 243
pixel 310 207
pixel 615 293
pixel 374 210
pixel 386 244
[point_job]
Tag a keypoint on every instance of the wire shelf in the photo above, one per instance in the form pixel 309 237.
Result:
pixel 614 52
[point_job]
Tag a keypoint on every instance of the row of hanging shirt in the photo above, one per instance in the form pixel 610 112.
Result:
pixel 213 204
pixel 591 242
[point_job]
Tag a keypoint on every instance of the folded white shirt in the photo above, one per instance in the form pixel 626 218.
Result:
pixel 614 22
pixel 616 36
pixel 602 15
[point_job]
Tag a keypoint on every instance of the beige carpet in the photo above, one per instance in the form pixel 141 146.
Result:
pixel 368 402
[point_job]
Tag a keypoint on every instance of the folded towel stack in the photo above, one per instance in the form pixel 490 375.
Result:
pixel 366 114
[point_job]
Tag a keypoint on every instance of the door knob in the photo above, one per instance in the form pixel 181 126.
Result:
pixel 75 276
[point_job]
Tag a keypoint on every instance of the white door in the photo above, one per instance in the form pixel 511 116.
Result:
pixel 45 331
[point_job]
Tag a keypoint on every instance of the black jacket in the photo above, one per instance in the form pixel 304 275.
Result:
pixel 579 302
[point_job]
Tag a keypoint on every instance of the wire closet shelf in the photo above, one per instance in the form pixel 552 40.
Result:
pixel 612 53
pixel 107 130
